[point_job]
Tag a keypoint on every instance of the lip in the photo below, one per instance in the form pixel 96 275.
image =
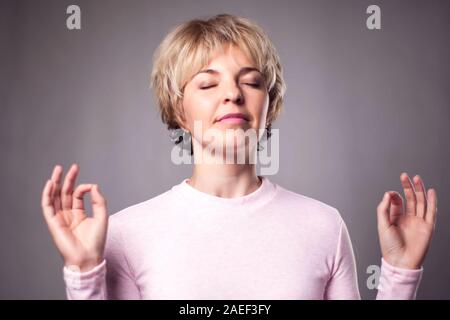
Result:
pixel 234 118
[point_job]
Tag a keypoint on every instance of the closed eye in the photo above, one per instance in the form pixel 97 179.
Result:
pixel 204 88
pixel 254 85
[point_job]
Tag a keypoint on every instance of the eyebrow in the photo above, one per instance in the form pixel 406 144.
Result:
pixel 244 70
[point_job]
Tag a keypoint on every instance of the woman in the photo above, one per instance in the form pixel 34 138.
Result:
pixel 225 232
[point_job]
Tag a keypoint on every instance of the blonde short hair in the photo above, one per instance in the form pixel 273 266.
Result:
pixel 188 47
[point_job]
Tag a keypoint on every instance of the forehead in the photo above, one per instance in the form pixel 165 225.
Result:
pixel 241 71
pixel 227 56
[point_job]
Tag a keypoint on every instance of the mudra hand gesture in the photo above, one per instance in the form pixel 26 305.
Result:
pixel 79 238
pixel 405 232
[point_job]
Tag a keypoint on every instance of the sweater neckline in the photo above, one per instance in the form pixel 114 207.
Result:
pixel 258 197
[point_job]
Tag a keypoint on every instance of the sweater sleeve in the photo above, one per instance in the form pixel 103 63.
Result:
pixel 394 282
pixel 111 279
pixel 397 283
pixel 343 282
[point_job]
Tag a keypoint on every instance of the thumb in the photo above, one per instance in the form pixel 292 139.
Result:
pixel 383 212
pixel 99 208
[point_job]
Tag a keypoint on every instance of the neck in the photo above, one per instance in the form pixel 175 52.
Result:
pixel 225 180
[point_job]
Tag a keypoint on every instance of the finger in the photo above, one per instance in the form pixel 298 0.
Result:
pixel 396 206
pixel 420 196
pixel 56 190
pixel 98 203
pixel 77 200
pixel 67 188
pixel 383 212
pixel 430 216
pixel 410 194
pixel 47 201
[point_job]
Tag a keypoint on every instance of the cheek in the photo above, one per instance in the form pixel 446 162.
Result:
pixel 205 111
pixel 260 110
pixel 200 109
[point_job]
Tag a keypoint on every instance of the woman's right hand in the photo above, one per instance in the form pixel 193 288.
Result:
pixel 79 238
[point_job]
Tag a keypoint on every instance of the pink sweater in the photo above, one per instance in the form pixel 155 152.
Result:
pixel 269 244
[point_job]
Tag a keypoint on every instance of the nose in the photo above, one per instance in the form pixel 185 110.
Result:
pixel 233 93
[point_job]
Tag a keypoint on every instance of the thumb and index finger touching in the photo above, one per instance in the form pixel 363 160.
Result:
pixel 52 200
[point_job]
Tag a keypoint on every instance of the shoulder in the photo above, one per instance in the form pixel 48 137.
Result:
pixel 143 211
pixel 308 210
pixel 318 223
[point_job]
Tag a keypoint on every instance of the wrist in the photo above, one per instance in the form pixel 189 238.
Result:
pixel 398 263
pixel 83 266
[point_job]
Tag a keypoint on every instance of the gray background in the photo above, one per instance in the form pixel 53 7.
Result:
pixel 361 107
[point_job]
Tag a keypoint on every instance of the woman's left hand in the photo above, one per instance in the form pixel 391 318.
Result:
pixel 405 233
